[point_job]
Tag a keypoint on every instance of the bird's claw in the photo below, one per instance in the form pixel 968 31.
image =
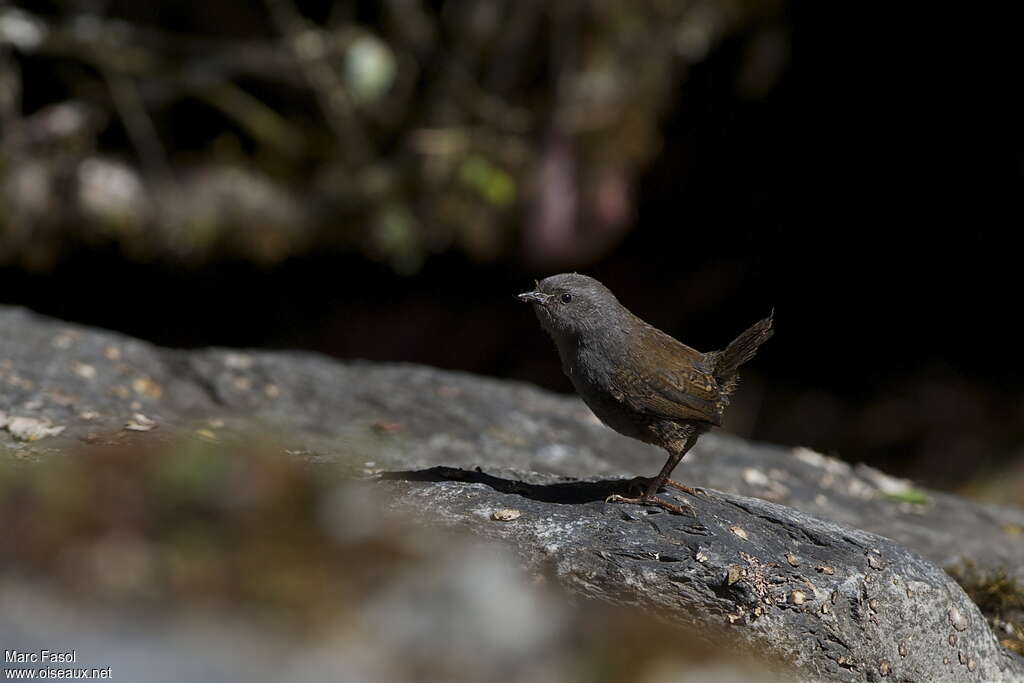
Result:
pixel 643 485
pixel 651 500
pixel 692 490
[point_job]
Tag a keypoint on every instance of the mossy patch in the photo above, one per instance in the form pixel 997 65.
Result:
pixel 915 496
pixel 999 596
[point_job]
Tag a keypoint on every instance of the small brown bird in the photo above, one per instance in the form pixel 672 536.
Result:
pixel 638 380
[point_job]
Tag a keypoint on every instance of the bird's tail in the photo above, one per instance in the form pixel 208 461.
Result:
pixel 743 348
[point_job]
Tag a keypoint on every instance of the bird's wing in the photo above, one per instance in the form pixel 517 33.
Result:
pixel 671 382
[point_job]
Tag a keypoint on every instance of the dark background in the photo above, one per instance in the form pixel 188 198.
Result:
pixel 870 193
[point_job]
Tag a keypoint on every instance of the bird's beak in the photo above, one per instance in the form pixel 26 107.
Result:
pixel 534 297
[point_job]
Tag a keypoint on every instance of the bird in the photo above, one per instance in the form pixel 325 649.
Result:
pixel 638 380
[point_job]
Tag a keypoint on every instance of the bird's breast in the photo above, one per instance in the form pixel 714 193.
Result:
pixel 591 371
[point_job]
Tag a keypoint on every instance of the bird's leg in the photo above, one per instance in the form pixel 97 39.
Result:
pixel 662 479
pixel 650 495
pixel 674 456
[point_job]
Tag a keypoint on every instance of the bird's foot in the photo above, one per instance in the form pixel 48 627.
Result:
pixel 651 500
pixel 637 486
pixel 686 489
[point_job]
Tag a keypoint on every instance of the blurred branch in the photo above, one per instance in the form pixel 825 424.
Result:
pixel 259 120
pixel 308 44
pixel 10 89
pixel 138 124
pixel 167 58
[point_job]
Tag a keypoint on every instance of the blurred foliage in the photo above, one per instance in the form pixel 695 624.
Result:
pixel 500 128
pixel 192 522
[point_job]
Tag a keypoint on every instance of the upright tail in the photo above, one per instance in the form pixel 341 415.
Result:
pixel 743 348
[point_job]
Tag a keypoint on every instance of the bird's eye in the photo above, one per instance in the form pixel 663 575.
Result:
pixel 566 298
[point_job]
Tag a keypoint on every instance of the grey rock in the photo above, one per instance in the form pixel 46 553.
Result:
pixel 805 571
pixel 854 602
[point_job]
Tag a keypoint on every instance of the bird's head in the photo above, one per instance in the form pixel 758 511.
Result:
pixel 573 305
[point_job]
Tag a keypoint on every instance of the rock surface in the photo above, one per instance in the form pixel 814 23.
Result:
pixel 804 577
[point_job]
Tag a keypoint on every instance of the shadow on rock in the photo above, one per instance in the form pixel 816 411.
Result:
pixel 566 493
